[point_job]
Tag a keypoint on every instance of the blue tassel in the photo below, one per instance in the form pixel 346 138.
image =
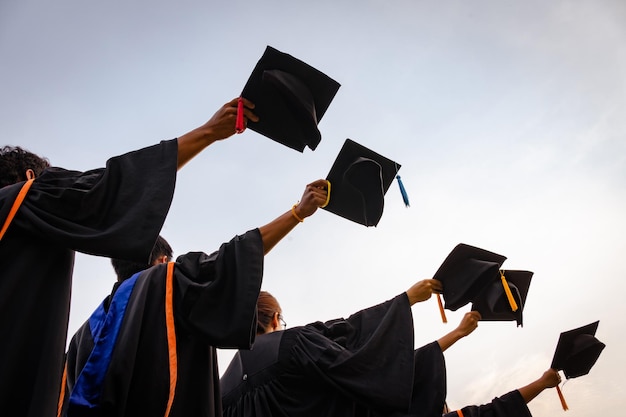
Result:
pixel 405 197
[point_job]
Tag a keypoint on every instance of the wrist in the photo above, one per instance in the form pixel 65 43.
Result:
pixel 459 334
pixel 198 138
pixel 207 135
pixel 297 213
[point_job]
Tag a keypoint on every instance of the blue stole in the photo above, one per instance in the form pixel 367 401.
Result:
pixel 105 327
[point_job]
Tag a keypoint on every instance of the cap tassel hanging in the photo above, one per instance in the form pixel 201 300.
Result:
pixel 441 310
pixel 508 293
pixel 239 124
pixel 563 403
pixel 405 196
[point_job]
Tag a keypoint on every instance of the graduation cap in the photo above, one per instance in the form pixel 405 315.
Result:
pixel 465 273
pixel 576 352
pixel 504 298
pixel 290 98
pixel 359 179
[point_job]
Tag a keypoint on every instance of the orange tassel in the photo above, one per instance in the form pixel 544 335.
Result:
pixel 443 313
pixel 508 293
pixel 239 125
pixel 16 204
pixel 563 403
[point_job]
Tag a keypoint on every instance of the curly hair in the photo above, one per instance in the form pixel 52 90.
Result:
pixel 15 161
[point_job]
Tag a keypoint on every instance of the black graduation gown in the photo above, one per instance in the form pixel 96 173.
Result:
pixel 511 404
pixel 115 211
pixel 361 366
pixel 214 304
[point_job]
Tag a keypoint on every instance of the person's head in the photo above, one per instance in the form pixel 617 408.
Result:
pixel 16 163
pixel 161 253
pixel 269 314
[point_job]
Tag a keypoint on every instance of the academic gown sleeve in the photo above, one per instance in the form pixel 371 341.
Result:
pixel 367 355
pixel 115 211
pixel 429 381
pixel 218 292
pixel 511 404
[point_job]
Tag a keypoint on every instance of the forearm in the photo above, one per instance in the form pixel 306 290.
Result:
pixel 531 390
pixel 273 232
pixel 467 326
pixel 449 339
pixel 313 197
pixel 192 143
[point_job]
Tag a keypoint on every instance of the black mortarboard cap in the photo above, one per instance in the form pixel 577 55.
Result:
pixel 359 179
pixel 493 304
pixel 577 351
pixel 465 273
pixel 290 98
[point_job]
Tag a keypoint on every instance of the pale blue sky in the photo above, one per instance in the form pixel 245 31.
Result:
pixel 507 118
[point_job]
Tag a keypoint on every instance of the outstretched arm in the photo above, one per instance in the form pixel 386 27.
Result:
pixel 313 197
pixel 220 126
pixel 549 379
pixel 468 324
pixel 512 403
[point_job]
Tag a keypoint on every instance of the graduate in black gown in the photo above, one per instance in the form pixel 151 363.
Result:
pixel 361 366
pixel 116 211
pixel 125 362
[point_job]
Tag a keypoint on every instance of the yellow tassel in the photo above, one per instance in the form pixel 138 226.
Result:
pixel 507 290
pixel 327 195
